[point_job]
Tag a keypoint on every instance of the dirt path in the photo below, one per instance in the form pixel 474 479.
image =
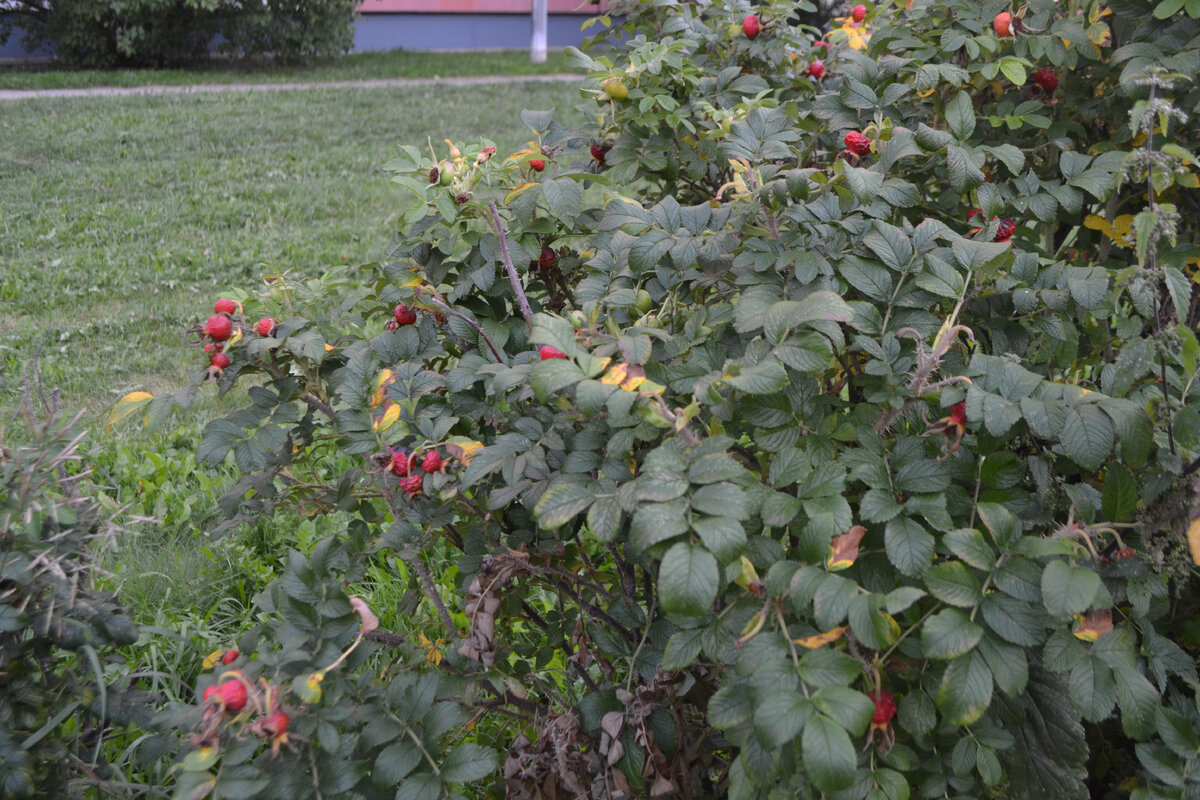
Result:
pixel 209 88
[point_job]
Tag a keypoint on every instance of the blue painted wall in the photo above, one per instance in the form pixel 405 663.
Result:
pixel 461 31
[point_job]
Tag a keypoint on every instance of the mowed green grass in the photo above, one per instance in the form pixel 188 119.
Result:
pixel 123 218
pixel 355 66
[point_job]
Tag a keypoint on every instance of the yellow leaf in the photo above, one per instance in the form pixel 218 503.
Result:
pixel 328 347
pixel 627 376
pixel 389 417
pixel 843 550
pixel 1093 626
pixel 821 639
pixel 211 659
pixel 127 405
pixel 518 191
pixel 1193 537
pixel 384 379
pixel 464 451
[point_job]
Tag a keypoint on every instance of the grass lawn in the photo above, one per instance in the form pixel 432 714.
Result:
pixel 124 218
pixel 356 66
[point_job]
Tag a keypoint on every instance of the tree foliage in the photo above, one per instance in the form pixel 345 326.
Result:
pixel 768 465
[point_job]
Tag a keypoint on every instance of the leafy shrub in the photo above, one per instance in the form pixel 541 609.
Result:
pixel 98 34
pixel 795 434
pixel 293 31
pixel 56 628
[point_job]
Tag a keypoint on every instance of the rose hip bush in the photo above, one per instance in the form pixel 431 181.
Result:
pixel 775 434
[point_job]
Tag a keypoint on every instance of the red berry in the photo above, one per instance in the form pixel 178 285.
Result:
pixel 974 212
pixel 439 318
pixel 857 143
pixel 547 258
pixel 220 361
pixel 885 708
pixel 210 691
pixel 265 326
pixel 277 723
pixel 224 307
pixel 599 151
pixel 958 413
pixel 536 164
pixel 233 693
pixel 817 70
pixel 1047 79
pixel 820 43
pixel 230 656
pixel 547 352
pixel 1007 228
pixel 1002 24
pixel 412 484
pixel 432 462
pixel 400 458
pixel 1126 552
pixel 213 348
pixel 405 315
pixel 218 327
pixel 859 13
pixel 751 26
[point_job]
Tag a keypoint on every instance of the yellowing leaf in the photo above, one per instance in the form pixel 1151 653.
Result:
pixel 211 659
pixel 748 576
pixel 821 639
pixel 520 188
pixel 464 451
pixel 201 759
pixel 383 380
pixel 843 550
pixel 328 347
pixel 627 376
pixel 1193 539
pixel 389 417
pixel 1093 626
pixel 1118 230
pixel 127 405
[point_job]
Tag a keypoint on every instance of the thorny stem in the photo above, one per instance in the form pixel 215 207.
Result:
pixel 638 649
pixel 437 301
pixel 432 593
pixel 513 277
pixel 316 780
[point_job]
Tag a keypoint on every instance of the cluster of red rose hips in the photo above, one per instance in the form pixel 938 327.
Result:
pixel 220 327
pixel 404 466
pixel 228 699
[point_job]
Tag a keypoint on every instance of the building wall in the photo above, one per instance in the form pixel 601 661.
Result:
pixel 471 31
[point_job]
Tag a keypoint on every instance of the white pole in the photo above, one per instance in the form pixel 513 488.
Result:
pixel 537 47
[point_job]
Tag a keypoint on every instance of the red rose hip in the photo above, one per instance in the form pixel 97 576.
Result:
pixel 230 656
pixel 859 13
pixel 400 459
pixel 817 69
pixel 599 151
pixel 885 708
pixel 233 695
pixel 547 352
pixel 858 143
pixel 220 361
pixel 411 485
pixel 536 164
pixel 218 327
pixel 1007 228
pixel 224 307
pixel 265 327
pixel 432 462
pixel 1046 79
pixel 751 26
pixel 404 315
